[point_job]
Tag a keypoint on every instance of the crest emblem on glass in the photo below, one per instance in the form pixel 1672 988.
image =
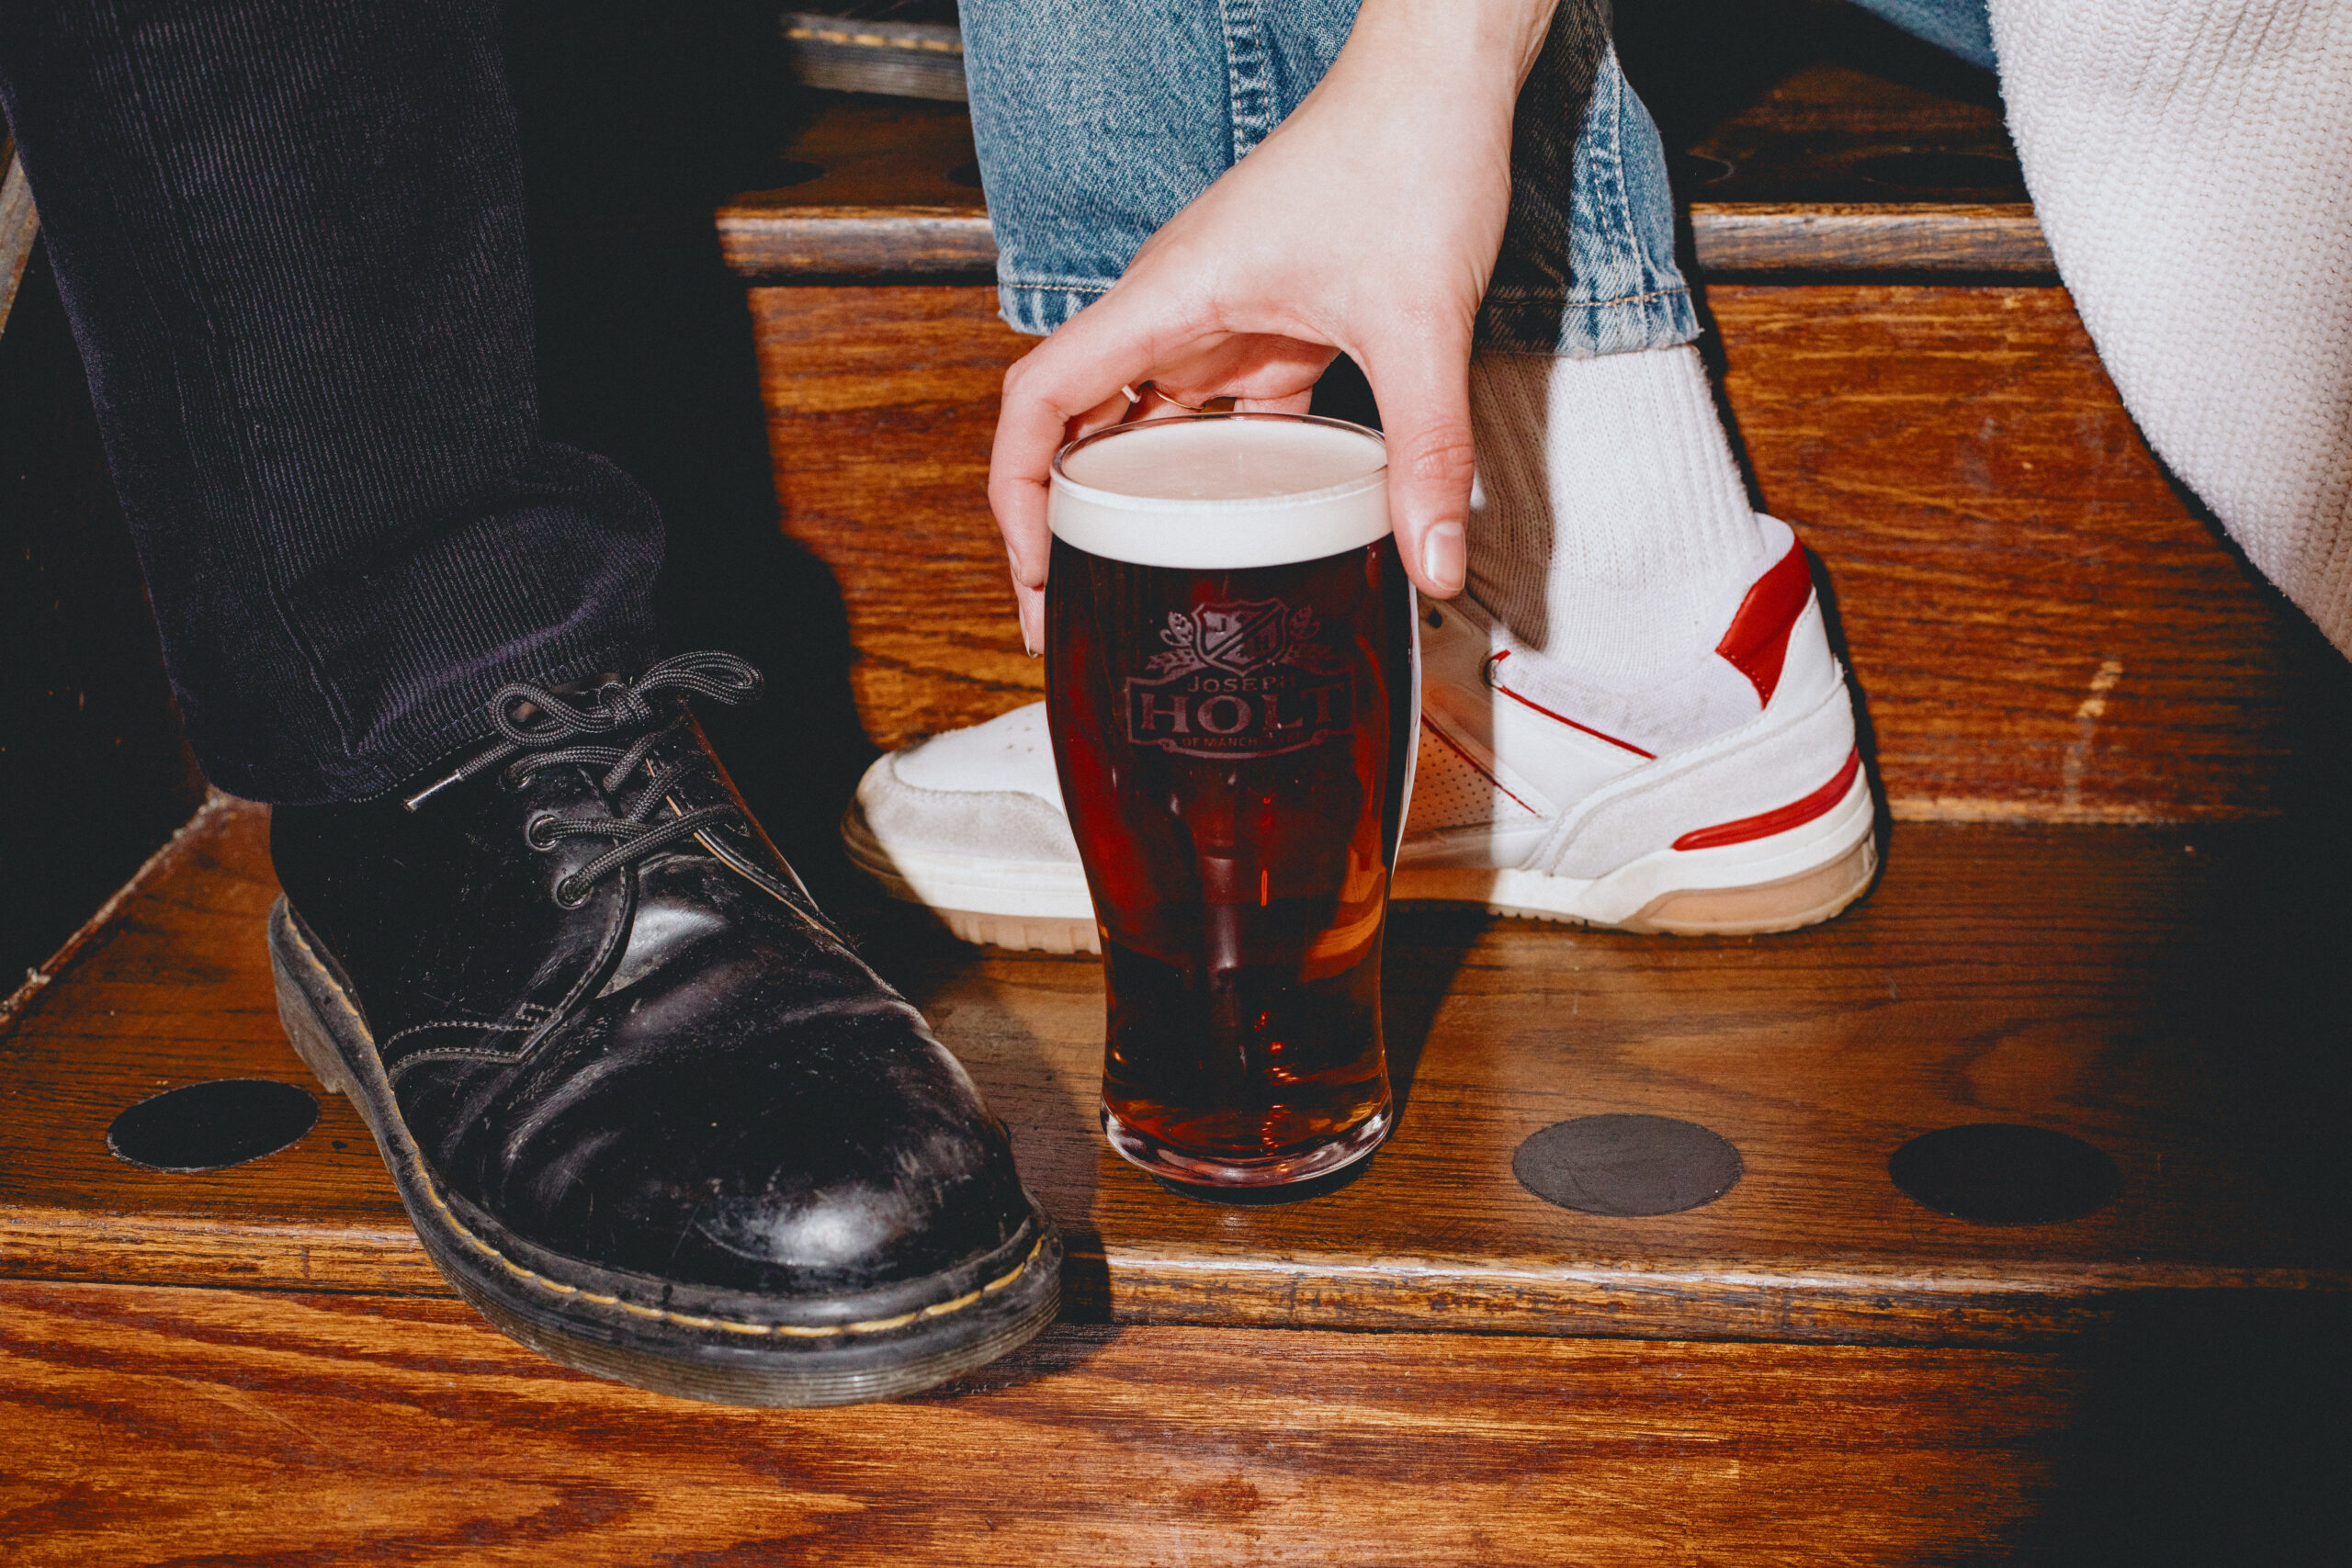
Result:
pixel 1230 685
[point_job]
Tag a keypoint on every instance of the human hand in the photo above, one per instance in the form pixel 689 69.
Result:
pixel 1367 224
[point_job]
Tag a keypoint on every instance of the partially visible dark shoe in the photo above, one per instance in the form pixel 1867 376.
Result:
pixel 647 1112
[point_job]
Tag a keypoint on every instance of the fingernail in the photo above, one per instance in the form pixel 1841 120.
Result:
pixel 1026 646
pixel 1442 556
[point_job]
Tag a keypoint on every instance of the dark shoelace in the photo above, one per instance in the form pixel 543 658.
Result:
pixel 538 727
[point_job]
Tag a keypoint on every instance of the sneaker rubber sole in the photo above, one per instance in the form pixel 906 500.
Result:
pixel 1788 880
pixel 736 1349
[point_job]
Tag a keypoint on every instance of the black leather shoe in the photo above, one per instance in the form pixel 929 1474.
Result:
pixel 649 1113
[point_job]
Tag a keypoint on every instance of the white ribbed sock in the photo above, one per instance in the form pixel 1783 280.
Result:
pixel 1610 531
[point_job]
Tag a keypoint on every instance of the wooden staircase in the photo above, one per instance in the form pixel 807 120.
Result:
pixel 2111 909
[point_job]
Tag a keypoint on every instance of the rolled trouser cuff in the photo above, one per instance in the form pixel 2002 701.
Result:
pixel 1584 329
pixel 1038 308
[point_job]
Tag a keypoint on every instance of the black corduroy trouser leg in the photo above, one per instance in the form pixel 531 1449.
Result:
pixel 289 234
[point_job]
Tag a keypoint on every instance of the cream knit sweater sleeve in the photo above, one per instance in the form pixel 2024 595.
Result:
pixel 2192 162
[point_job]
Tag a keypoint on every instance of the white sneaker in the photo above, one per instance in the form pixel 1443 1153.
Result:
pixel 1731 799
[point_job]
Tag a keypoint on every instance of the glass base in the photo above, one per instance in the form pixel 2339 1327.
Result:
pixel 1139 1148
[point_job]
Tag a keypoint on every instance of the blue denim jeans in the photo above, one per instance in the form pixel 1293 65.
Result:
pixel 1099 120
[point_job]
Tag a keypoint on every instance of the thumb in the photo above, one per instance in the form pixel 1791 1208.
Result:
pixel 1421 382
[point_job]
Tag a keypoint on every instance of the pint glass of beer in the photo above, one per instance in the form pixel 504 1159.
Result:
pixel 1230 683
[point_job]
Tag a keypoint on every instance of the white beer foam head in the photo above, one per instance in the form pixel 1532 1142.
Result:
pixel 1217 492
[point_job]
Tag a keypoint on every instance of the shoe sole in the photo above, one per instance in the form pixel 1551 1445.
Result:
pixel 1780 882
pixel 708 1357
pixel 1790 880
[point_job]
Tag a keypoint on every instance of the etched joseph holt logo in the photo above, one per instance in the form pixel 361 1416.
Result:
pixel 1241 679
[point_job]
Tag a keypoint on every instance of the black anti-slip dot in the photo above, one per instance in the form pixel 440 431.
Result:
pixel 1998 1173
pixel 209 1126
pixel 1627 1165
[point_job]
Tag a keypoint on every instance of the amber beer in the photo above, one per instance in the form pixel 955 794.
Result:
pixel 1229 681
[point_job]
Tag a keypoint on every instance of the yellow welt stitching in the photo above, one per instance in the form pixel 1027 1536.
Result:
pixel 881 1323
pixel 871 1326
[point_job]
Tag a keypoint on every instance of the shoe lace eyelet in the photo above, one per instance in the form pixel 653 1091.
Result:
pixel 533 834
pixel 569 894
pixel 1435 618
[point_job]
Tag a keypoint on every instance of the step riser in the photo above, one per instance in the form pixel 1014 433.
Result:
pixel 2041 627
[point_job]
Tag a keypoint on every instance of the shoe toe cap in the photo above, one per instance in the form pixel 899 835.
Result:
pixel 872 1161
pixel 837 1148
pixel 916 1210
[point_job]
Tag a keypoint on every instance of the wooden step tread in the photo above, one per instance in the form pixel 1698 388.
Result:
pixel 246 1425
pixel 892 190
pixel 2169 998
pixel 1805 141
pixel 237 1426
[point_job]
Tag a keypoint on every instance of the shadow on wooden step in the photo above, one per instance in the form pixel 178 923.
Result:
pixel 2207 1430
pixel 94 771
pixel 633 126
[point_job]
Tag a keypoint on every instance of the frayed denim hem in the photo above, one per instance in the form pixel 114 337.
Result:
pixel 1571 329
pixel 1038 308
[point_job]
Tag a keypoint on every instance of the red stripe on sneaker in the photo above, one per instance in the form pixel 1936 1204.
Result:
pixel 1451 746
pixel 1758 643
pixel 1556 718
pixel 1781 819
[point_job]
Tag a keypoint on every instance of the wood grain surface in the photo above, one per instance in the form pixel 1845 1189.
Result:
pixel 783 243
pixel 881 405
pixel 879 201
pixel 155 1426
pixel 769 240
pixel 1761 239
pixel 2165 998
pixel 2042 627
